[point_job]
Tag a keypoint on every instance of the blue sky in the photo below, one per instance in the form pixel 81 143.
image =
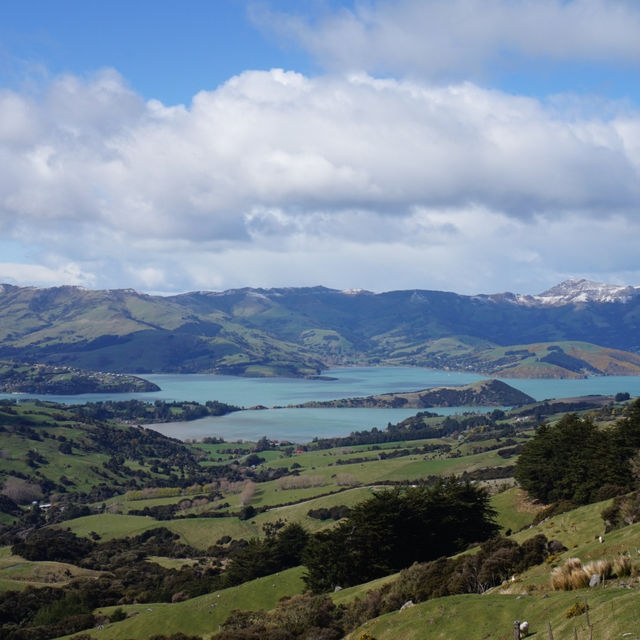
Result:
pixel 468 145
pixel 165 49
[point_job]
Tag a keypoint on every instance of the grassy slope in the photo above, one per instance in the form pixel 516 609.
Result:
pixel 613 609
pixel 201 615
pixel 40 378
pixel 203 532
pixel 292 332
pixel 577 530
pixel 614 614
pixel 514 510
pixel 83 467
pixel 483 393
pixel 608 361
pixel 16 573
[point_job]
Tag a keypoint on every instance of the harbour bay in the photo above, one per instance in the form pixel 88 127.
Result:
pixel 302 425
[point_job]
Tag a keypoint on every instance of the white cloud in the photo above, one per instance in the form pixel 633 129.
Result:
pixel 44 276
pixel 276 178
pixel 462 38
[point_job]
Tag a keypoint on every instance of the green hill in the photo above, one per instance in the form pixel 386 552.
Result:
pixel 299 332
pixel 485 393
pixel 50 379
pixel 177 516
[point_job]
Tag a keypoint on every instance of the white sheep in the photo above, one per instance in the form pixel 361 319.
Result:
pixel 524 628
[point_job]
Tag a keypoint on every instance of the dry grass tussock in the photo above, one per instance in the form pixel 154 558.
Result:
pixel 602 567
pixel 622 566
pixel 574 575
pixel 570 575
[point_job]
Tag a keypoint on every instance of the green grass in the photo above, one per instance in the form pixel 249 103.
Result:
pixel 200 615
pixel 171 563
pixel 514 511
pixel 204 532
pixel 358 591
pixel 17 574
pixel 110 526
pixel 613 613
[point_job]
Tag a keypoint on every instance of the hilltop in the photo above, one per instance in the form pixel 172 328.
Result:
pixel 579 329
pixel 485 393
pixel 61 380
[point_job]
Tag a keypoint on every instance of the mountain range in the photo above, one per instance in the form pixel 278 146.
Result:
pixel 574 329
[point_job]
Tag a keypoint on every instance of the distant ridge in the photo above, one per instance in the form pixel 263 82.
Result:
pixel 575 329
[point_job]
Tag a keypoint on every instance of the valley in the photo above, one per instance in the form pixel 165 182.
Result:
pixel 203 520
pixel 462 495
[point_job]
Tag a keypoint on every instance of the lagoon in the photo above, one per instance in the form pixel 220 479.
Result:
pixel 301 425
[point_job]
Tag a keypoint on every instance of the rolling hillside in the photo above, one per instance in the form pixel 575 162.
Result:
pixel 298 332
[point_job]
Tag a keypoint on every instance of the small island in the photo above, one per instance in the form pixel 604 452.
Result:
pixel 60 380
pixel 494 393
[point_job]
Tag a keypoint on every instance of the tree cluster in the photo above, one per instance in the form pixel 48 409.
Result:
pixel 310 616
pixel 395 528
pixel 574 460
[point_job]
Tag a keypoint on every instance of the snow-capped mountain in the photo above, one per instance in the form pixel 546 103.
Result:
pixel 572 291
pixel 578 291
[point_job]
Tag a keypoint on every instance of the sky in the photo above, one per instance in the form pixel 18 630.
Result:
pixel 475 146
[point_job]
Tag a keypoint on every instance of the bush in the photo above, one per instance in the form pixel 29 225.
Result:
pixel 624 510
pixel 247 512
pixel 576 610
pixel 53 544
pixel 117 615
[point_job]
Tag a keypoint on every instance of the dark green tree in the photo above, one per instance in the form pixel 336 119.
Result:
pixel 572 460
pixel 395 528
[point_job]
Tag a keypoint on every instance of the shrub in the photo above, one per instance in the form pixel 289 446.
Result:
pixel 576 609
pixel 560 579
pixel 623 511
pixel 53 544
pixel 117 615
pixel 247 512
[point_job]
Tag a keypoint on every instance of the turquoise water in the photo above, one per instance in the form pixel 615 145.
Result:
pixel 301 425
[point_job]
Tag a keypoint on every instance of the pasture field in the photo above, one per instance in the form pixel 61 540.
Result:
pixel 514 510
pixel 201 615
pixel 613 607
pixel 612 612
pixel 17 574
pixel 254 496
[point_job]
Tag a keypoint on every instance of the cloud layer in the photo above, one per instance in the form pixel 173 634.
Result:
pixel 437 39
pixel 350 181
